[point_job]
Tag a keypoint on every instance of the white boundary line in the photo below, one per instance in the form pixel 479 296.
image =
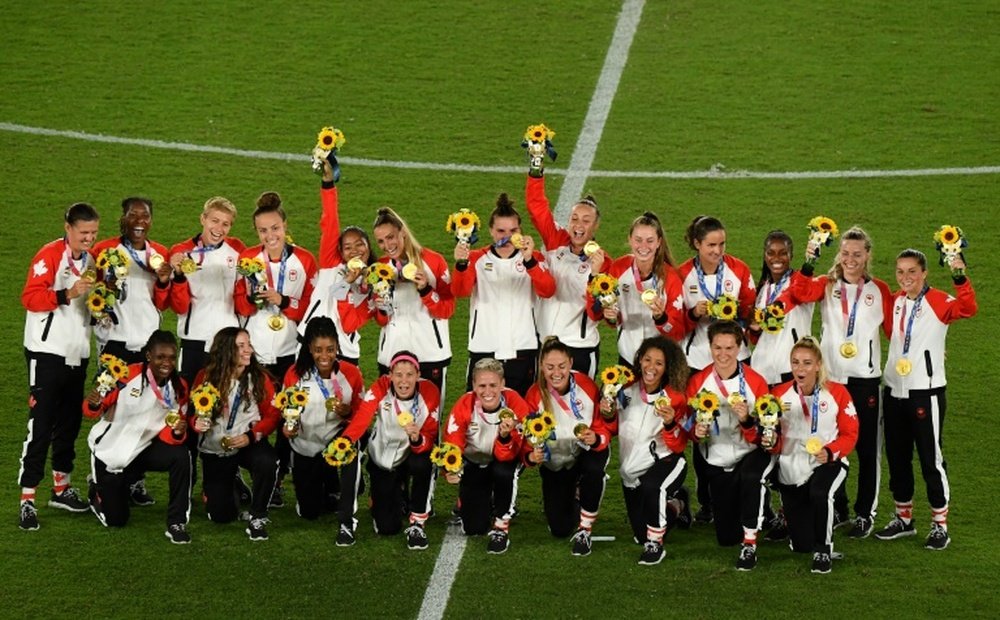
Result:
pixel 715 172
pixel 445 570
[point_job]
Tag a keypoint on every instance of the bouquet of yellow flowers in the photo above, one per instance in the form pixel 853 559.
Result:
pixel 770 318
pixel 604 289
pixel 614 378
pixel 110 371
pixel 705 405
pixel 464 224
pixel 382 279
pixel 822 231
pixel 538 142
pixel 114 264
pixel 328 143
pixel 950 241
pixel 767 410
pixel 447 456
pixel 250 268
pixel 539 427
pixel 724 308
pixel 101 302
pixel 291 401
pixel 340 452
pixel 205 400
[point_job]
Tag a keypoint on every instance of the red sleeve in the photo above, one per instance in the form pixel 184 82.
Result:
pixel 353 318
pixel 107 403
pixel 887 302
pixel 458 421
pixel 429 430
pixel 962 306
pixel 180 291
pixel 270 417
pixel 463 281
pixel 241 300
pixel 538 208
pixel 673 291
pixel 541 280
pixel 329 227
pixel 440 302
pixel 366 411
pixel 353 375
pixel 676 437
pixel 513 448
pixel 748 290
pixel 847 422
pixel 298 306
pixel 38 294
pixel 804 290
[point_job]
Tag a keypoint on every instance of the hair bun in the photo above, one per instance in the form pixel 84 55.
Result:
pixel 269 200
pixel 503 201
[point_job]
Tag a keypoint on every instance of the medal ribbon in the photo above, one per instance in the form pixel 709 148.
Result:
pixel 413 408
pixel 776 288
pixel 233 410
pixel 719 274
pixel 638 278
pixel 573 407
pixel 281 269
pixel 725 393
pixel 164 396
pixel 815 407
pixel 72 262
pixel 849 320
pixel 909 323
pixel 478 408
pixel 201 249
pixel 127 244
pixel 322 385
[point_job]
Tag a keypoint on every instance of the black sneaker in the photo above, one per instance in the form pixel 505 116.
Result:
pixel 345 537
pixel 257 528
pixel 938 539
pixel 178 533
pixel 139 495
pixel 582 542
pixel 277 498
pixel 896 529
pixel 684 519
pixel 822 563
pixel 498 542
pixel 778 531
pixel 69 500
pixel 29 516
pixel 862 528
pixel 242 490
pixel 704 515
pixel 652 553
pixel 416 537
pixel 748 557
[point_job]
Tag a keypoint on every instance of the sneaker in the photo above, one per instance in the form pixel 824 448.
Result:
pixel 652 553
pixel 242 490
pixel 498 542
pixel 178 533
pixel 345 537
pixel 257 528
pixel 840 519
pixel 748 557
pixel 29 516
pixel 582 543
pixel 938 539
pixel 69 500
pixel 704 515
pixel 684 519
pixel 896 529
pixel 277 498
pixel 822 563
pixel 778 531
pixel 862 528
pixel 139 495
pixel 416 537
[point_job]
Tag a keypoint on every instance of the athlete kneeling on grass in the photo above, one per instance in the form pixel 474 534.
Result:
pixel 404 408
pixel 143 429
pixel 491 446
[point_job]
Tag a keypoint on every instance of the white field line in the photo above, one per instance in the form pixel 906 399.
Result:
pixel 715 172
pixel 445 569
pixel 600 107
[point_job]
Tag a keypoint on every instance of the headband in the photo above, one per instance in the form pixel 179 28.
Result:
pixel 403 357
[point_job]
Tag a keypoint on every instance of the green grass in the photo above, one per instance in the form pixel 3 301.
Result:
pixel 790 87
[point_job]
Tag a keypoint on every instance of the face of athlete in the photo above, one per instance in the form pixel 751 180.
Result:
pixel 81 235
pixel 162 359
pixel 556 367
pixel 910 276
pixel 644 243
pixel 853 257
pixel 777 258
pixel 271 232
pixel 487 386
pixel 652 365
pixel 582 225
pixel 136 222
pixel 711 249
pixel 215 225
pixel 805 369
pixel 389 239
pixel 324 353
pixel 725 353
pixel 244 351
pixel 353 245
pixel 404 377
pixel 504 227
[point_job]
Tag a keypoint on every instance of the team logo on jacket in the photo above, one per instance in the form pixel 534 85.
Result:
pixel 824 406
pixel 488 266
pixel 386 407
pixel 626 288
pixel 230 262
pixel 693 289
pixel 729 286
pixel 134 392
pixel 293 275
pixel 869 299
pixel 519 267
pixel 583 268
pixel 921 413
pixel 39 268
pixel 836 293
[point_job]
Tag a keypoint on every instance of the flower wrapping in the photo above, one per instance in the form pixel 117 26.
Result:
pixel 604 289
pixel 328 144
pixel 950 241
pixel 538 428
pixel 822 231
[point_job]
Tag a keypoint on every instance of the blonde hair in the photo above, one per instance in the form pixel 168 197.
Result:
pixel 218 203
pixel 487 364
pixel 411 247
pixel 854 233
pixel 809 343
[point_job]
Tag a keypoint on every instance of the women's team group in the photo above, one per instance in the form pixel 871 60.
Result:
pixel 533 339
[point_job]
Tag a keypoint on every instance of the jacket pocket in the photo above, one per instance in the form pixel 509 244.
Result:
pixel 929 364
pixel 475 320
pixel 48 326
pixel 437 333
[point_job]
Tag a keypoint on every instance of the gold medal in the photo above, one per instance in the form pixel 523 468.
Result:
pixel 590 248
pixel 903 366
pixel 89 275
pixel 506 414
pixel 409 271
pixel 172 418
pixel 662 403
pixel 580 429
pixel 848 350
pixel 648 296
pixel 355 264
pixel 814 445
pixel 276 322
pixel 188 266
pixel 404 418
pixel 735 398
pixel 517 240
pixel 224 442
pixel 155 262
pixel 332 404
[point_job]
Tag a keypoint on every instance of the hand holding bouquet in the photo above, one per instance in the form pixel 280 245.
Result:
pixel 538 142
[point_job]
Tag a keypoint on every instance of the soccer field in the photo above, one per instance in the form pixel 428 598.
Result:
pixel 879 114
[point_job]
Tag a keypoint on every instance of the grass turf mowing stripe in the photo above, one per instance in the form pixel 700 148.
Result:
pixel 600 107
pixel 715 172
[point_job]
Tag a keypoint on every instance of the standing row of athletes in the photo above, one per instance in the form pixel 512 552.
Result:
pixel 237 334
